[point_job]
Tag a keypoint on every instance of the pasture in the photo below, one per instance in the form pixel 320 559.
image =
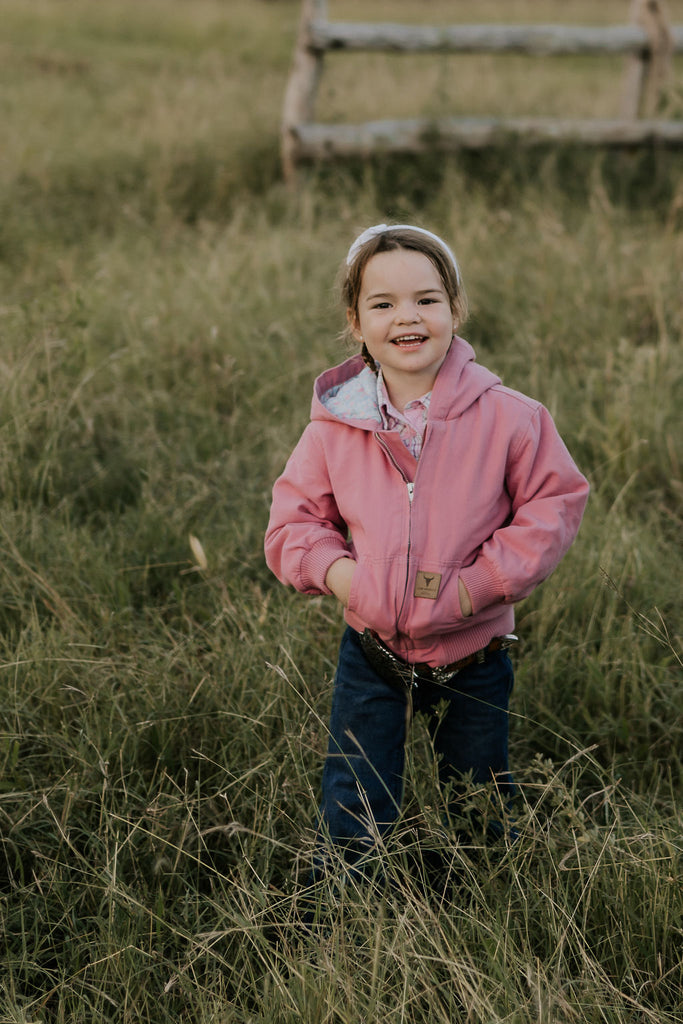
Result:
pixel 165 304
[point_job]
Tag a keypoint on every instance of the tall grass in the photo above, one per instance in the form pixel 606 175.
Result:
pixel 165 306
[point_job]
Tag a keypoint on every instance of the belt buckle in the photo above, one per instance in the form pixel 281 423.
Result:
pixel 508 641
pixel 442 675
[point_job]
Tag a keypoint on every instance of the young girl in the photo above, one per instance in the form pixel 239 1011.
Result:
pixel 428 499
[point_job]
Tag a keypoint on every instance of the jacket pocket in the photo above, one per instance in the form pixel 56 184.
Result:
pixel 433 602
pixel 373 598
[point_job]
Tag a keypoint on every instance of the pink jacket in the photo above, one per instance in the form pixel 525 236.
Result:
pixel 495 499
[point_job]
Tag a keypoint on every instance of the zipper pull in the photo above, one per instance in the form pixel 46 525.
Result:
pixel 411 490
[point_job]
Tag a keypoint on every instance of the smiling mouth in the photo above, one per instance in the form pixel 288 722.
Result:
pixel 409 341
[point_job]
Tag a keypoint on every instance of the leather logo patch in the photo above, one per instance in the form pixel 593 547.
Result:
pixel 427 584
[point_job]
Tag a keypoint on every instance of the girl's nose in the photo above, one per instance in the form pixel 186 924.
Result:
pixel 408 314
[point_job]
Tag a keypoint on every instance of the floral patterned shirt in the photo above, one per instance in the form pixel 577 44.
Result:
pixel 365 397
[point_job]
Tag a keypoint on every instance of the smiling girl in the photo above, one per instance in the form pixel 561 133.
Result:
pixel 427 498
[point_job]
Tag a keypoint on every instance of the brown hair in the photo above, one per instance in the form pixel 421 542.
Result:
pixel 402 238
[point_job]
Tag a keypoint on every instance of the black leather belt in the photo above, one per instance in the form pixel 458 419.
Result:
pixel 397 671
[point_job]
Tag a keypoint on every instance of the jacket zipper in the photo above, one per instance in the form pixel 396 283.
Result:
pixel 411 492
pixel 410 486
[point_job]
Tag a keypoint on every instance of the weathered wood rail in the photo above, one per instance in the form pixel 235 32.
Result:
pixel 647 43
pixel 325 141
pixel 535 40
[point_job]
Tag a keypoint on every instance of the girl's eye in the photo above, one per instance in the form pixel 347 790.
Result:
pixel 427 301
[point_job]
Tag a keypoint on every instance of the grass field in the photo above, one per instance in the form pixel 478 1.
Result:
pixel 165 304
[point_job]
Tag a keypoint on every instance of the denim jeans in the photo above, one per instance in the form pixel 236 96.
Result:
pixel 362 787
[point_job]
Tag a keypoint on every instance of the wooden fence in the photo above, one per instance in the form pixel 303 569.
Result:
pixel 647 43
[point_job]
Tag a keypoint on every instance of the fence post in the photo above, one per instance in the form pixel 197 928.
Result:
pixel 302 86
pixel 647 73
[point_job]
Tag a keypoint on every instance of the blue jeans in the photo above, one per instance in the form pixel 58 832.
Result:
pixel 362 787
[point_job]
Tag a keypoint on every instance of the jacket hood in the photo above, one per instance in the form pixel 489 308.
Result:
pixel 459 383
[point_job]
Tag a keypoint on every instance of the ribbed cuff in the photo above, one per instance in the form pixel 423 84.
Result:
pixel 483 585
pixel 317 561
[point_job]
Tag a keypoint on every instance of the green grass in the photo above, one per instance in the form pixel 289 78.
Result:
pixel 165 304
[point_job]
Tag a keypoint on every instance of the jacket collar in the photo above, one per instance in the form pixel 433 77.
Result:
pixel 459 383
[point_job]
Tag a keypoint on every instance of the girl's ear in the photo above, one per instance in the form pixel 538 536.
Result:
pixel 456 321
pixel 354 325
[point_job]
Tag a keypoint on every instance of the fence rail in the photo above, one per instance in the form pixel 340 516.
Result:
pixel 534 40
pixel 327 142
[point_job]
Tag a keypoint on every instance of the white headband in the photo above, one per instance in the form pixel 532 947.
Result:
pixel 380 229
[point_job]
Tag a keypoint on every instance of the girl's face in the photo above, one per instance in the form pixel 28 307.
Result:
pixel 404 317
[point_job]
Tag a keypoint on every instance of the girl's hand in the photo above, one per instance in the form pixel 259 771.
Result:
pixel 465 600
pixel 339 577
